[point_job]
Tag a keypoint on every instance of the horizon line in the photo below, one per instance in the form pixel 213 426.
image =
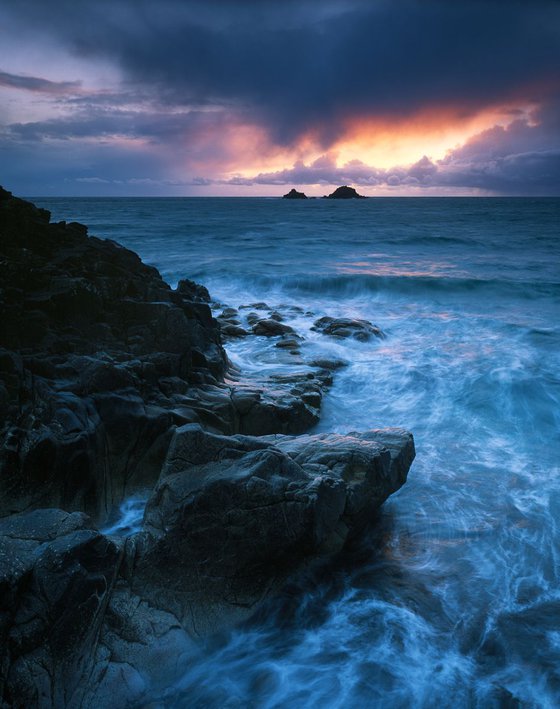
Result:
pixel 310 198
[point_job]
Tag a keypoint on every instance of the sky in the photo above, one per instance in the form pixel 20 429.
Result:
pixel 254 97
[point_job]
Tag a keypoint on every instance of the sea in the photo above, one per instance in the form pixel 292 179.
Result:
pixel 453 599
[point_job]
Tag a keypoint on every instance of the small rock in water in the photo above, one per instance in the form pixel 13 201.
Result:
pixel 328 363
pixel 288 343
pixel 255 306
pixel 361 330
pixel 271 328
pixel 230 329
pixel 290 308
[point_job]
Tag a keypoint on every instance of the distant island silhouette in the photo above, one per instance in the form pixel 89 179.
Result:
pixel 345 192
pixel 294 194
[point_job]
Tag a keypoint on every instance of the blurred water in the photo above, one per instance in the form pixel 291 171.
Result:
pixel 128 519
pixel 455 601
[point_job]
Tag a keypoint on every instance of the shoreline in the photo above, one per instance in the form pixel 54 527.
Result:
pixel 112 382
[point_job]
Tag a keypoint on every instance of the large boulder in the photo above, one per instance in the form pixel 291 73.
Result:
pixel 56 578
pixel 232 516
pixel 89 620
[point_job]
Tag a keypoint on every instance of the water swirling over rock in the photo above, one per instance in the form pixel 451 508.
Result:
pixel 112 384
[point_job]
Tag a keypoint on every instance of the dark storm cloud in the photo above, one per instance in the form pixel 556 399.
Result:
pixel 92 123
pixel 308 65
pixel 81 168
pixel 523 157
pixel 37 84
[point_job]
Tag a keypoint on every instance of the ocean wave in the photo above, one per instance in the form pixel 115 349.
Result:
pixel 356 284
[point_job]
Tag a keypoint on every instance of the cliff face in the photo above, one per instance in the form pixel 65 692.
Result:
pixel 111 383
pixel 89 338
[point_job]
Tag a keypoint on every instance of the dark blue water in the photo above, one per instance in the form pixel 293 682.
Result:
pixel 456 601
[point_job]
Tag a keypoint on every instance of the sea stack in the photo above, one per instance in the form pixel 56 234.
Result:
pixel 294 194
pixel 345 192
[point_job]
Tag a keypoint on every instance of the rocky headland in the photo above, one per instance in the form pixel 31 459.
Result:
pixel 113 384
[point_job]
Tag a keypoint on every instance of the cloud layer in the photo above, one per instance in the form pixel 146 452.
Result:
pixel 207 91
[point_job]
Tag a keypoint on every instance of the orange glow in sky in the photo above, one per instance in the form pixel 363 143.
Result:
pixel 387 144
pixel 378 143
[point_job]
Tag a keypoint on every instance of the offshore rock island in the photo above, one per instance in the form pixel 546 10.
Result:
pixel 115 385
pixel 342 192
pixel 345 192
pixel 294 194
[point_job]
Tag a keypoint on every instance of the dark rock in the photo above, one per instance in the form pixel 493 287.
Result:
pixel 345 192
pixel 87 332
pixel 106 373
pixel 277 408
pixel 231 330
pixel 373 464
pixel 231 516
pixel 253 318
pixel 133 653
pixel 328 363
pixel 56 578
pixel 230 325
pixel 294 194
pixel 361 330
pixel 271 328
pixel 257 408
pixel 192 291
pixel 289 342
pixel 255 306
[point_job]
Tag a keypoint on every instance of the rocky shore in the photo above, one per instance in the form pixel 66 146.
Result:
pixel 113 384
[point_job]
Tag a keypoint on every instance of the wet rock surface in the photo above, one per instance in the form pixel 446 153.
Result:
pixel 89 400
pixel 56 577
pixel 89 336
pixel 232 516
pixel 112 384
pixel 362 330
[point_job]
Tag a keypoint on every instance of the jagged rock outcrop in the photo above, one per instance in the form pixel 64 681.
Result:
pixel 89 334
pixel 294 194
pixel 111 382
pixel 85 619
pixel 100 359
pixel 345 192
pixel 231 516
